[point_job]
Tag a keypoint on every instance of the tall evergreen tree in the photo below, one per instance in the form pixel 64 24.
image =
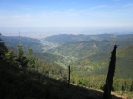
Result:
pixel 31 59
pixel 30 51
pixel 21 58
pixel 20 52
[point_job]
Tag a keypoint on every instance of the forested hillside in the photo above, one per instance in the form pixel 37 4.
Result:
pixel 81 49
pixel 13 41
pixel 97 64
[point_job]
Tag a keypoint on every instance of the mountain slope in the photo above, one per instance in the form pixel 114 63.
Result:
pixel 86 48
pixel 98 63
pixel 13 41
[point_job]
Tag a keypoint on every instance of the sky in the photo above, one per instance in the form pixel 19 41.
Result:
pixel 66 13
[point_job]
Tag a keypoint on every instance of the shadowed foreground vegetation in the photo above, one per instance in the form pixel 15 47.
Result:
pixel 16 83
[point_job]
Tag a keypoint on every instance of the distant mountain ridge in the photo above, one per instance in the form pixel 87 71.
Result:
pixel 67 38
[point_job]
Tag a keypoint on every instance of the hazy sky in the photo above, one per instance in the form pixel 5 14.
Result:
pixel 66 13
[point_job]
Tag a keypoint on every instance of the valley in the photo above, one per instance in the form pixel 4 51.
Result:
pixel 87 55
pixel 89 51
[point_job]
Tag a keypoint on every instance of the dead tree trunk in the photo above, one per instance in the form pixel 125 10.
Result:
pixel 110 75
pixel 68 75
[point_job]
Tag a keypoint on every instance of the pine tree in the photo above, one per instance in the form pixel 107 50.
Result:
pixel 30 51
pixel 21 58
pixel 31 59
pixel 20 52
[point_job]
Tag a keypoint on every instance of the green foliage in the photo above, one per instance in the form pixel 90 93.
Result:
pixel 51 58
pixel 90 81
pixel 30 51
pixel 21 58
pixel 20 52
pixel 10 57
pixel 98 63
pixel 122 84
pixel 31 61
pixel 98 82
pixel 3 49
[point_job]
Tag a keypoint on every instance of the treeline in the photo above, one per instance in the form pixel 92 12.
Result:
pixel 98 82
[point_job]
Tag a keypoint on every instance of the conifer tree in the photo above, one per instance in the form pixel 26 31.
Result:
pixel 30 51
pixel 21 58
pixel 31 59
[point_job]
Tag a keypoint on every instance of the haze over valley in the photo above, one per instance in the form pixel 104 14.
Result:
pixel 42 32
